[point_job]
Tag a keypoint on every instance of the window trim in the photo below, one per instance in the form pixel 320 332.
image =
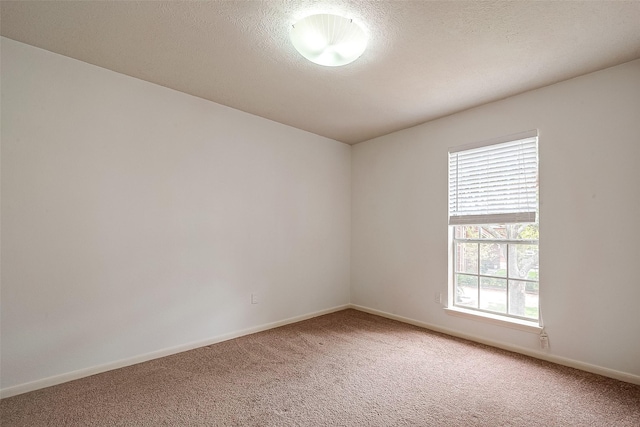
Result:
pixel 495 319
pixel 493 141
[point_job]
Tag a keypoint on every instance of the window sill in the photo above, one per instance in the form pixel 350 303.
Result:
pixel 521 325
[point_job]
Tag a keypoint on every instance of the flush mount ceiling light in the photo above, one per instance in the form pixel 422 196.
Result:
pixel 329 40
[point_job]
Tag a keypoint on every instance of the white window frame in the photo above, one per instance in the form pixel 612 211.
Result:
pixel 511 321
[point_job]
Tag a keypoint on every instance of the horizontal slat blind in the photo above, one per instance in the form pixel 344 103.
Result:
pixel 494 183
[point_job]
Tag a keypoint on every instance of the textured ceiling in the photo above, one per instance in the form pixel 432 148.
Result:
pixel 425 59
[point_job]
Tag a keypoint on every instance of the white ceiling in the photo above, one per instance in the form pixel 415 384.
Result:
pixel 425 59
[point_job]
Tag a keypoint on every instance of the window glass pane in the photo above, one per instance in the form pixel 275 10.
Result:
pixel 494 231
pixel 522 231
pixel 523 261
pixel 499 273
pixel 493 294
pixel 523 299
pixel 466 232
pixel 528 232
pixel 493 259
pixel 467 258
pixel 466 292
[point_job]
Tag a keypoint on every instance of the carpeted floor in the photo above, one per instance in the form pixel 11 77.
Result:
pixel 343 369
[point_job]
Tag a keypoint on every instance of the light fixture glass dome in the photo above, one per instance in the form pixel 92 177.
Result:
pixel 329 40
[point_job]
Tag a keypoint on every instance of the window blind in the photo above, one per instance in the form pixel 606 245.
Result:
pixel 494 182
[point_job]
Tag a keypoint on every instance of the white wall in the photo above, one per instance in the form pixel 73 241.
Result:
pixel 590 203
pixel 137 219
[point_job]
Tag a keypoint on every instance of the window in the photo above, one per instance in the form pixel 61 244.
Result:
pixel 493 210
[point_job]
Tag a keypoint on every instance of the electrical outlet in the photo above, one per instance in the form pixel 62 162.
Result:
pixel 254 298
pixel 544 341
pixel 438 298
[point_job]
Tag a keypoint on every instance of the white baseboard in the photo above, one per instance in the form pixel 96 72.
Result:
pixel 81 373
pixel 611 373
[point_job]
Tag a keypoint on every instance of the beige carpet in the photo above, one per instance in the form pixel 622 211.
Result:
pixel 343 369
